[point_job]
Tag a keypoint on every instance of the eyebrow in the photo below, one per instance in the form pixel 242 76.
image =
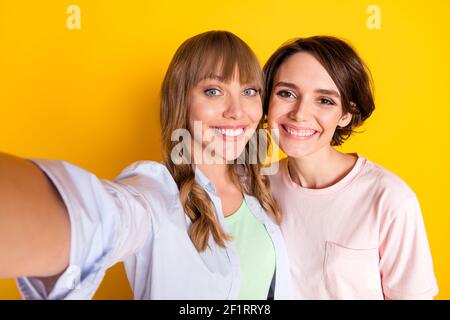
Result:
pixel 329 92
pixel 285 84
pixel 321 91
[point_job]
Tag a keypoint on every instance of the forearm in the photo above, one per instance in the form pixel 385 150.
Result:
pixel 34 224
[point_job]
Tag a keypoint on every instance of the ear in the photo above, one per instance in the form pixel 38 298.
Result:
pixel 345 120
pixel 346 117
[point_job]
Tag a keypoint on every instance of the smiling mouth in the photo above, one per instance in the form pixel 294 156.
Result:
pixel 301 134
pixel 229 133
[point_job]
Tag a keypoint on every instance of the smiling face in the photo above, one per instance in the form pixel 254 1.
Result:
pixel 305 106
pixel 229 113
pixel 212 89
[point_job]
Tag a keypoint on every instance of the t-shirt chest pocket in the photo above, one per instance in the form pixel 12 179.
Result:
pixel 352 273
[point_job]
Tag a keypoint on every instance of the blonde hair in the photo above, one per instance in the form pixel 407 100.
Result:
pixel 198 58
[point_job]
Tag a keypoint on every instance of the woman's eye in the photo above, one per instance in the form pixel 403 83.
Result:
pixel 250 92
pixel 212 92
pixel 286 94
pixel 326 101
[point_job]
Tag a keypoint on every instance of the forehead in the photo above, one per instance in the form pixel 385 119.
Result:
pixel 305 71
pixel 227 67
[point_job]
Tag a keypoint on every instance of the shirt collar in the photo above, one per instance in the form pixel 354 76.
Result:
pixel 203 181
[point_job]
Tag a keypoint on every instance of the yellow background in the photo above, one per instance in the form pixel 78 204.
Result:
pixel 90 96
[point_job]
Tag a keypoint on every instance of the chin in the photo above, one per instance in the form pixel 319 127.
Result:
pixel 229 157
pixel 220 157
pixel 296 151
pixel 231 151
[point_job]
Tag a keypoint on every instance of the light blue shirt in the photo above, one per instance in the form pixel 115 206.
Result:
pixel 138 219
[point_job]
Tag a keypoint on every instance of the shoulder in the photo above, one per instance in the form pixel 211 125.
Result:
pixel 386 181
pixel 150 179
pixel 149 172
pixel 391 193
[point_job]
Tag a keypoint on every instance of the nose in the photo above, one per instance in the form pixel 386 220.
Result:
pixel 300 111
pixel 234 107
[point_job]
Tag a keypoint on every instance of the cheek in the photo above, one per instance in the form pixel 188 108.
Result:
pixel 201 111
pixel 329 120
pixel 254 112
pixel 276 110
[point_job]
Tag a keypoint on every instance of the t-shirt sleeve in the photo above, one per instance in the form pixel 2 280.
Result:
pixel 109 221
pixel 405 259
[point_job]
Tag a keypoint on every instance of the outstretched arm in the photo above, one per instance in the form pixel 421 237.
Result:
pixel 34 224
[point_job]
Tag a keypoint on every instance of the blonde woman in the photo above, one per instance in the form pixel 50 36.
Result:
pixel 186 229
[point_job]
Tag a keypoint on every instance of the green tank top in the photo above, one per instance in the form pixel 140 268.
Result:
pixel 256 253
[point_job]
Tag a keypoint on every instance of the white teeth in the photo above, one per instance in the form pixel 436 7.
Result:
pixel 230 132
pixel 300 133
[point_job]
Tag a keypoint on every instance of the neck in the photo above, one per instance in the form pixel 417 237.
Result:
pixel 321 169
pixel 216 173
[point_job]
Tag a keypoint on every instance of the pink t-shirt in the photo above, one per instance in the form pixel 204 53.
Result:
pixel 361 238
